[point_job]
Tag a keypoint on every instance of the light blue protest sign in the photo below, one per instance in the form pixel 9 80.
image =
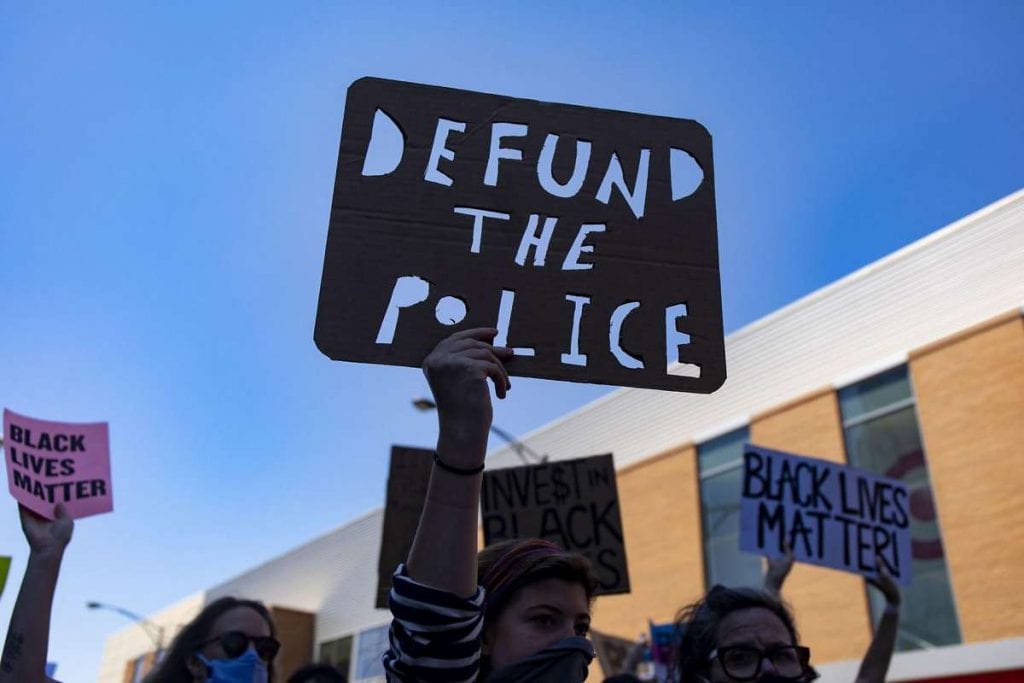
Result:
pixel 831 515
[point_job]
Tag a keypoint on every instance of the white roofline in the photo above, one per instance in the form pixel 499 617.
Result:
pixel 864 273
pixel 297 548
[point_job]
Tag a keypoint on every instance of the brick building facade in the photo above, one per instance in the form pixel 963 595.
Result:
pixel 912 366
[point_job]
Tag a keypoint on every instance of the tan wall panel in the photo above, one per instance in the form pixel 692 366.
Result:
pixel 149 663
pixel 830 606
pixel 661 520
pixel 295 631
pixel 970 397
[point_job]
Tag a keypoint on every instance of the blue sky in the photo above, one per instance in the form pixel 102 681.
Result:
pixel 166 181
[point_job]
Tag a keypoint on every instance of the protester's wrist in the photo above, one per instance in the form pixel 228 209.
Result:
pixel 46 555
pixel 461 447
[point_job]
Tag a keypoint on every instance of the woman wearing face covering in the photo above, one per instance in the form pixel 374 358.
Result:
pixel 231 641
pixel 518 612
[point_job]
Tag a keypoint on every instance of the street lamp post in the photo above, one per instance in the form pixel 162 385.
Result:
pixel 154 631
pixel 520 448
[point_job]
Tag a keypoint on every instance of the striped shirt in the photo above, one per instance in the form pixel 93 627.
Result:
pixel 435 635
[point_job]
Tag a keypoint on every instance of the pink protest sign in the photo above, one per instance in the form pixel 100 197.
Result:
pixel 58 462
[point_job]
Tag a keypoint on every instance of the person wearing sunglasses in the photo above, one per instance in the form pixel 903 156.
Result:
pixel 230 641
pixel 740 634
pixel 519 610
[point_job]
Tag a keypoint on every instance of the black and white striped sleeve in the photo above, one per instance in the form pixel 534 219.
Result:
pixel 435 635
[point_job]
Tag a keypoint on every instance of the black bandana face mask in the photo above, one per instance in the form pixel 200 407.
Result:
pixel 564 662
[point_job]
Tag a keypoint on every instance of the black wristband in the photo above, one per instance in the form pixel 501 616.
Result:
pixel 466 472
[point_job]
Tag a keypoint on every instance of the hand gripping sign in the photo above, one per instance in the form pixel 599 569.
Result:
pixel 58 462
pixel 587 237
pixel 829 514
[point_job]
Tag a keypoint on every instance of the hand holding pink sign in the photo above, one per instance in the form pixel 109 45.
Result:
pixel 58 462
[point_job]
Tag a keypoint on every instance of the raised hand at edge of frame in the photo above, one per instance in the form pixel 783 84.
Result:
pixel 777 569
pixel 885 583
pixel 457 371
pixel 47 537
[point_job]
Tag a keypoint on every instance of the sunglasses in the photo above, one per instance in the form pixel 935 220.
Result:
pixel 235 643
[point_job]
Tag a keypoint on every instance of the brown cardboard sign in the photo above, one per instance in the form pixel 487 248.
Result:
pixel 407 490
pixel 587 236
pixel 574 503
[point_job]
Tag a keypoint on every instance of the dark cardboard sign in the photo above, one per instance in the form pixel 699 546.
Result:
pixel 587 236
pixel 408 477
pixel 574 503
pixel 831 515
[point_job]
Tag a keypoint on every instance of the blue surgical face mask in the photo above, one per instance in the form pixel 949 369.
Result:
pixel 246 668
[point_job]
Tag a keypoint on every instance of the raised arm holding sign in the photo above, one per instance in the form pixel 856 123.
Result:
pixel 457 370
pixel 28 635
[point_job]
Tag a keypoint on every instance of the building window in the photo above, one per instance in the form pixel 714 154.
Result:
pixel 720 464
pixel 882 436
pixel 337 653
pixel 371 646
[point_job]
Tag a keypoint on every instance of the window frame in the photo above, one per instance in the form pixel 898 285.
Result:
pixel 902 404
pixel 351 651
pixel 717 470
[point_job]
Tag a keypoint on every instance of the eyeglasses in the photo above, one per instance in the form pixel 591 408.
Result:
pixel 743 663
pixel 235 643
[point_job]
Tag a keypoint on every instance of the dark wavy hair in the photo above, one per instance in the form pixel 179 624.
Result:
pixel 697 625
pixel 174 666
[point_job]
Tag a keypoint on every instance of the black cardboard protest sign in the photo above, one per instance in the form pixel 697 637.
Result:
pixel 587 236
pixel 408 477
pixel 574 503
pixel 830 515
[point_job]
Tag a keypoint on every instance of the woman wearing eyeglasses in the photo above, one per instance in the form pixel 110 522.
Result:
pixel 875 664
pixel 231 641
pixel 740 634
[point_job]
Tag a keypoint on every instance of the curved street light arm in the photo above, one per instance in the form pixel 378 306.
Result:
pixel 145 624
